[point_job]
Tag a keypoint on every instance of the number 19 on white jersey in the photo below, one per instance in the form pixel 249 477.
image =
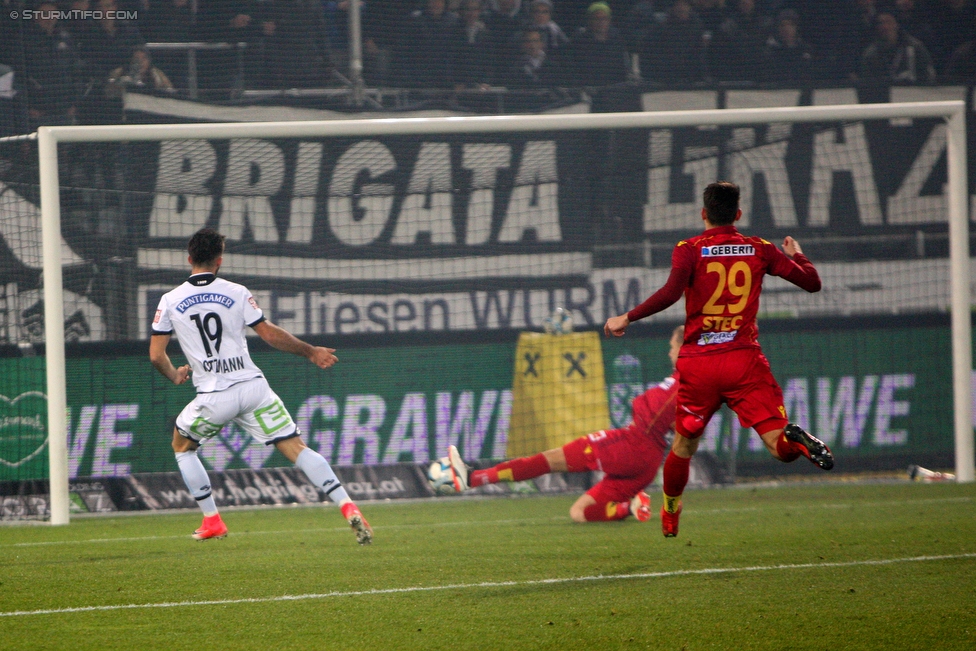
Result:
pixel 210 316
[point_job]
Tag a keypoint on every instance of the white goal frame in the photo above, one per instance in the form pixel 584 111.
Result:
pixel 958 213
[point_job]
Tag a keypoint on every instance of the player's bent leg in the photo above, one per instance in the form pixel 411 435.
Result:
pixel 198 483
pixel 770 431
pixel 320 473
pixel 788 442
pixel 810 446
pixel 578 510
pixel 588 509
pixel 182 443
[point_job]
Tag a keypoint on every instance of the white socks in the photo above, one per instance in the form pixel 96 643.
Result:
pixel 197 481
pixel 317 469
pixel 313 464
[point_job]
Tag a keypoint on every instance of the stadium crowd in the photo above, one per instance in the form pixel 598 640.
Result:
pixel 60 55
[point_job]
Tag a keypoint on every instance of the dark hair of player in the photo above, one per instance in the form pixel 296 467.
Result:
pixel 721 201
pixel 205 246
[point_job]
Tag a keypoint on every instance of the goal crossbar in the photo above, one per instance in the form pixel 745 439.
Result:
pixel 958 216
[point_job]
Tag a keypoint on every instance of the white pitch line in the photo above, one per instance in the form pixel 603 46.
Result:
pixel 487 584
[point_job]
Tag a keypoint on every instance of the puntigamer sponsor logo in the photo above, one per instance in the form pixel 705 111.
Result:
pixel 727 249
pixel 197 299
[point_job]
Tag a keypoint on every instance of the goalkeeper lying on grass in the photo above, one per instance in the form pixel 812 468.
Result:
pixel 629 457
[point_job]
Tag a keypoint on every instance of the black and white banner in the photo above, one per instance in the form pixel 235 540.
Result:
pixel 474 232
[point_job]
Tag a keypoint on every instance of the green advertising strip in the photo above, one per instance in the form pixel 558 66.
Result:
pixel 869 393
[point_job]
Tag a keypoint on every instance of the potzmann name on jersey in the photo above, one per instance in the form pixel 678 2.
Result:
pixel 727 249
pixel 197 299
pixel 223 365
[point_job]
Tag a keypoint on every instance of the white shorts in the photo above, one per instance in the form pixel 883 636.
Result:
pixel 251 404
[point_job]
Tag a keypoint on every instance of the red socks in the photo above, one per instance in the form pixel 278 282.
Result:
pixel 790 450
pixel 606 512
pixel 514 470
pixel 676 471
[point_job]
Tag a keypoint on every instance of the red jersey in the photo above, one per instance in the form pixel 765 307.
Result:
pixel 630 456
pixel 652 412
pixel 720 273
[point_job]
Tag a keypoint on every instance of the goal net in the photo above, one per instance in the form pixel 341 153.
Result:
pixel 420 248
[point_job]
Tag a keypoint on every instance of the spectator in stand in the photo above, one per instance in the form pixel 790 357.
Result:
pixel 673 51
pixel 139 75
pixel 336 16
pixel 895 56
pixel 380 23
pixel 297 49
pixel 504 23
pixel 474 61
pixel 736 49
pixel 234 21
pixel 954 19
pixel 50 70
pixel 915 17
pixel 597 54
pixel 540 18
pixel 108 43
pixel 840 30
pixel 711 13
pixel 168 21
pixel 533 69
pixel 788 58
pixel 639 19
pixel 10 34
pixel 866 12
pixel 961 68
pixel 427 47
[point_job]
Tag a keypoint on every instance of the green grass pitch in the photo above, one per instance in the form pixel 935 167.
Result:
pixel 813 566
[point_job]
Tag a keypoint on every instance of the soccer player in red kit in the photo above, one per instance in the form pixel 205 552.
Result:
pixel 720 273
pixel 630 457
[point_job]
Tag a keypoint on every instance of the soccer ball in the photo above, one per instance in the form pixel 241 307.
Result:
pixel 560 323
pixel 440 475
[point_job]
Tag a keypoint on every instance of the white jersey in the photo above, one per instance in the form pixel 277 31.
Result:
pixel 209 317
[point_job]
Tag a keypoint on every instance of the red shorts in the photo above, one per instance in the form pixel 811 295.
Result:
pixel 740 378
pixel 628 459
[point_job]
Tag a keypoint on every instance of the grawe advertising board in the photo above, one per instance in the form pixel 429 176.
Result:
pixel 407 404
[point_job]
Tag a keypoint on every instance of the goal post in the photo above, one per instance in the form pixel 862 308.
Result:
pixel 49 138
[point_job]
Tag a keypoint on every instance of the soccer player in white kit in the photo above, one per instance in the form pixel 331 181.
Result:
pixel 209 316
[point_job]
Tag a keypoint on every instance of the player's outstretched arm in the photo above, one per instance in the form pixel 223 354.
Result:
pixel 278 337
pixel 162 362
